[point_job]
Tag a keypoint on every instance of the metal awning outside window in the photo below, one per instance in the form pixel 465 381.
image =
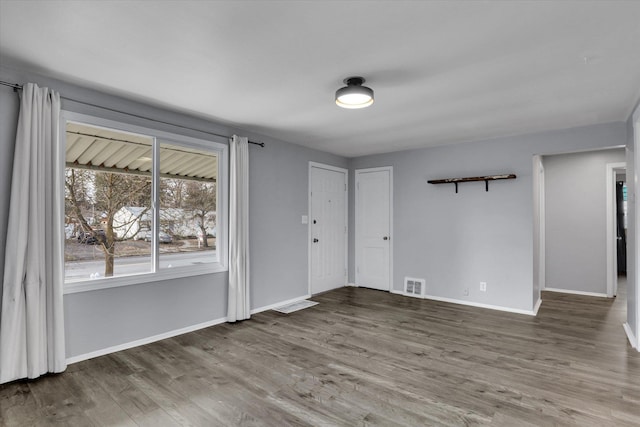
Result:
pixel 107 150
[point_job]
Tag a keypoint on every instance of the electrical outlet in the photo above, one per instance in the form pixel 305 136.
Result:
pixel 465 292
pixel 483 286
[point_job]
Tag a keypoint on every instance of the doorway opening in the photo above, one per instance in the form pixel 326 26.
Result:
pixel 580 226
pixel 616 226
pixel 575 243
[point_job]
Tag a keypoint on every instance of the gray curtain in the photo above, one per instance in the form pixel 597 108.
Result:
pixel 32 324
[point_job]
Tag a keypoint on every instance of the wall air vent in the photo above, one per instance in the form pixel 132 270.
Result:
pixel 414 287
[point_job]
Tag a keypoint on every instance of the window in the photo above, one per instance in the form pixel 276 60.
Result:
pixel 140 205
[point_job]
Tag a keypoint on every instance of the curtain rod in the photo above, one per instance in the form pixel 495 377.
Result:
pixel 17 87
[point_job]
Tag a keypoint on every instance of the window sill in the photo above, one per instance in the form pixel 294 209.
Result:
pixel 136 279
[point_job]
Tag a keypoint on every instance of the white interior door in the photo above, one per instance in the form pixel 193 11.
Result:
pixel 327 227
pixel 373 227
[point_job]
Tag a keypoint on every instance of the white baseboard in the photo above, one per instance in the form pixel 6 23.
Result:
pixel 537 306
pixel 632 338
pixel 472 304
pixel 568 291
pixel 278 304
pixel 482 305
pixel 352 285
pixel 144 341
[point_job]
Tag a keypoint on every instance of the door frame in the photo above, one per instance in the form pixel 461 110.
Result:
pixel 356 211
pixel 612 169
pixel 310 215
pixel 539 236
pixel 636 221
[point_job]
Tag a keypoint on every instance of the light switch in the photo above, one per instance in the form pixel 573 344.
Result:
pixel 305 219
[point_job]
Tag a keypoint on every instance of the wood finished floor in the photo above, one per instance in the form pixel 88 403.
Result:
pixel 359 358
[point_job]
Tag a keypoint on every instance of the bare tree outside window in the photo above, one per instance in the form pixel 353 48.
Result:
pixel 201 201
pixel 109 192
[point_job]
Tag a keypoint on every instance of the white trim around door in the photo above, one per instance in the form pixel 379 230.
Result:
pixel 539 245
pixel 632 325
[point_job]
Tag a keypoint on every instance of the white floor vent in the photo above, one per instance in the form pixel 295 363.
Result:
pixel 414 287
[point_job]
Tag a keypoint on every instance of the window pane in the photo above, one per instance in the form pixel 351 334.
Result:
pixel 107 203
pixel 188 202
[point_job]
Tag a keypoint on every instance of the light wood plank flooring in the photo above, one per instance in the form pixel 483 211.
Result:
pixel 359 358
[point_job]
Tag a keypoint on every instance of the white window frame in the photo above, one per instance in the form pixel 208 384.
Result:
pixel 215 144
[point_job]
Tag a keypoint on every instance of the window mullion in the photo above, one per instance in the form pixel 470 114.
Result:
pixel 155 205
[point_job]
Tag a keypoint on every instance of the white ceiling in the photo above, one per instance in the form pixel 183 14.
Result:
pixel 443 72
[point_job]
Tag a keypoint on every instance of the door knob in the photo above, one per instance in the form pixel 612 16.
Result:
pixel 385 238
pixel 315 240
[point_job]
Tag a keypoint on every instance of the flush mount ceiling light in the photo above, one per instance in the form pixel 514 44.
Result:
pixel 354 95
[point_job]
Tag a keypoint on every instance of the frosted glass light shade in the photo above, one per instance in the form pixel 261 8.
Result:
pixel 354 95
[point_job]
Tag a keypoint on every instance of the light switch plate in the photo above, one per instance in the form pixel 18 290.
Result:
pixel 305 219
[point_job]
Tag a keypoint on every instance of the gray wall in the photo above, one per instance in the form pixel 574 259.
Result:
pixel 278 197
pixel 457 240
pixel 575 218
